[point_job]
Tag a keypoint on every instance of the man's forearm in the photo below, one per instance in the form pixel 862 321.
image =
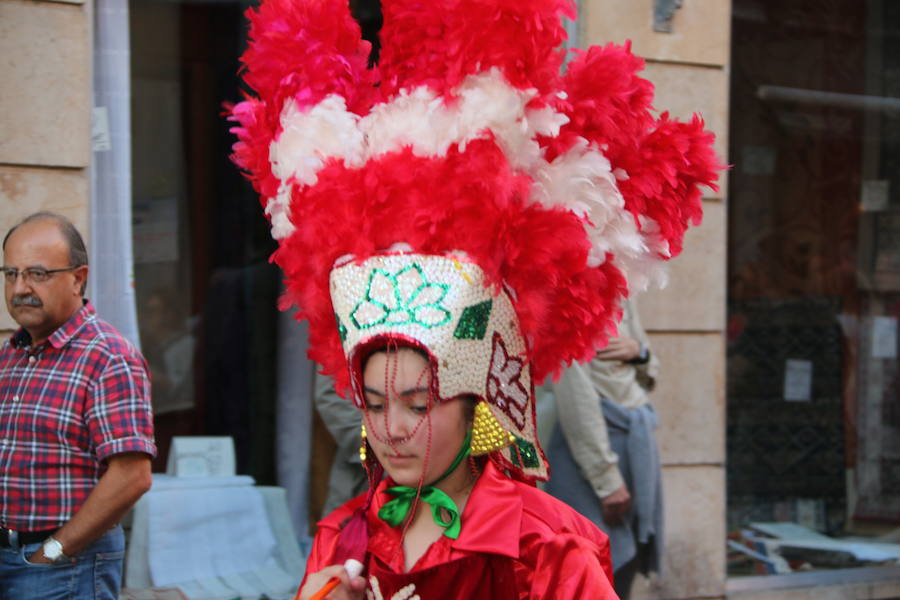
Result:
pixel 125 481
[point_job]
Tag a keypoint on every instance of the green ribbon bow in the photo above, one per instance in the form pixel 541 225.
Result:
pixel 395 512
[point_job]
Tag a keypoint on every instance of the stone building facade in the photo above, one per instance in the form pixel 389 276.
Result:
pixel 686 320
pixel 46 160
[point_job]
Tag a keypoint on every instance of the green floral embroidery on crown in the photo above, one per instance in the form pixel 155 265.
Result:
pixel 401 298
pixel 342 331
pixel 527 451
pixel 474 321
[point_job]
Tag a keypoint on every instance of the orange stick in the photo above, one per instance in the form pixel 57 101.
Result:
pixel 332 583
pixel 353 568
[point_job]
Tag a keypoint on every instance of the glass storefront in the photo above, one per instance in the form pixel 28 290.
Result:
pixel 813 425
pixel 206 292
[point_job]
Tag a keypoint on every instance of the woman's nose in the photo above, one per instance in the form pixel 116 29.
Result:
pixel 399 424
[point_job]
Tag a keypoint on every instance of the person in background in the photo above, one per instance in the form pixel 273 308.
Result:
pixel 603 452
pixel 76 431
pixel 167 344
pixel 347 478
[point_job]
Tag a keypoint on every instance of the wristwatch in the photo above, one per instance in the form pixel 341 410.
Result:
pixel 53 551
pixel 643 356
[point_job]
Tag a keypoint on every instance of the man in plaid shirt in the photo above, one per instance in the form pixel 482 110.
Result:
pixel 76 429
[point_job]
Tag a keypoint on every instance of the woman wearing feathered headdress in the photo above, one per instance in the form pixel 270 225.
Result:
pixel 456 224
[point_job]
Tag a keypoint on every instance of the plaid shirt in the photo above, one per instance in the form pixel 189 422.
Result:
pixel 65 407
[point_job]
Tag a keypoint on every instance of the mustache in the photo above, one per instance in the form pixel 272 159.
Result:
pixel 26 300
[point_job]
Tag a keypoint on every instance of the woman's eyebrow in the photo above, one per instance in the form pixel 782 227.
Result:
pixel 409 392
pixel 415 390
pixel 373 392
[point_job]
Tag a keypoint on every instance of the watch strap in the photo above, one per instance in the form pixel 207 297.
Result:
pixel 643 356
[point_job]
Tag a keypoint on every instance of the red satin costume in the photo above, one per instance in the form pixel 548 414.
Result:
pixel 516 543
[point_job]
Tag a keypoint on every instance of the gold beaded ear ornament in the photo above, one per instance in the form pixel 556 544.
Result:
pixel 487 433
pixel 362 445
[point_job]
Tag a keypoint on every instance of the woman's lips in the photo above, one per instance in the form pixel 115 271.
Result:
pixel 400 459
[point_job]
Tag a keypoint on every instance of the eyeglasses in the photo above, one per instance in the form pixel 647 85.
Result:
pixel 31 274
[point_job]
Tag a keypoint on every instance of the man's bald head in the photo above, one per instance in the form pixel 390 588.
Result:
pixel 78 255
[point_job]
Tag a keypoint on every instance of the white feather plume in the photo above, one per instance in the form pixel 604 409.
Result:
pixel 308 138
pixel 485 104
pixel 279 211
pixel 582 181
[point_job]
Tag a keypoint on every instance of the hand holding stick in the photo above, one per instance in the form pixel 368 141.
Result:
pixel 353 568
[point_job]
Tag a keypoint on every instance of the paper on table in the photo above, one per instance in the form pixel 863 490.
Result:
pixel 274 582
pixel 152 594
pixel 168 482
pixel 200 534
pixel 788 531
pixel 210 589
pixel 793 535
pixel 867 552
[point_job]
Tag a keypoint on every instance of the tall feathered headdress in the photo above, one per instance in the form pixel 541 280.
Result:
pixel 463 196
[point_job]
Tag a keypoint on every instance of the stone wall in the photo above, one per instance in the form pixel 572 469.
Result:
pixel 45 112
pixel 689 67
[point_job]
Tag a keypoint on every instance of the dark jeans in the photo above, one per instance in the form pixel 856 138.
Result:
pixel 96 573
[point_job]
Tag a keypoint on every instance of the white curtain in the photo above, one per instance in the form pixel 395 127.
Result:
pixel 111 281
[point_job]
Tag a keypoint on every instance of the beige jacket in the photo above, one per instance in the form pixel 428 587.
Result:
pixel 580 414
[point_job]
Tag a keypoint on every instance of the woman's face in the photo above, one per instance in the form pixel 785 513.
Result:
pixel 400 418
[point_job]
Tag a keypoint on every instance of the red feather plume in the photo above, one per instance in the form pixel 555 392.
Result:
pixel 481 207
pixel 439 42
pixel 303 51
pixel 471 199
pixel 667 161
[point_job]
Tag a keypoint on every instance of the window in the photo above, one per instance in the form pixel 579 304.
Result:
pixel 814 273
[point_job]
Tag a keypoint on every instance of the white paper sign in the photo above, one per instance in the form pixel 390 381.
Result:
pixel 810 512
pixel 798 380
pixel 201 456
pixel 875 195
pixel 100 140
pixel 758 160
pixel 884 337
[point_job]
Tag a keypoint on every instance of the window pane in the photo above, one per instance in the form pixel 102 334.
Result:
pixel 814 266
pixel 206 291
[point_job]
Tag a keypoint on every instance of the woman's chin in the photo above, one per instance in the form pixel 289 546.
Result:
pixel 404 477
pixel 403 471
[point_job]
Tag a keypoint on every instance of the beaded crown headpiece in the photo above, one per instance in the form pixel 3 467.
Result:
pixel 462 196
